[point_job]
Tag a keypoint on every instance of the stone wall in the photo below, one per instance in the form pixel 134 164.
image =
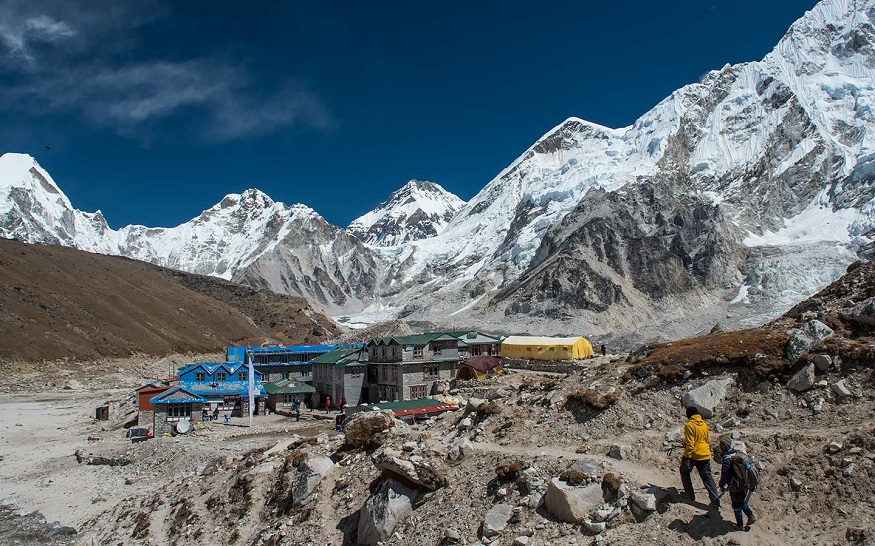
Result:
pixel 162 426
pixel 414 374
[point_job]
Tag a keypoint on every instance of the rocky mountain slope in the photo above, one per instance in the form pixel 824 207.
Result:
pixel 63 303
pixel 586 455
pixel 418 210
pixel 729 200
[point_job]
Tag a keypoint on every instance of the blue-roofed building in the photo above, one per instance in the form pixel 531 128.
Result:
pixel 224 386
pixel 174 405
pixel 276 362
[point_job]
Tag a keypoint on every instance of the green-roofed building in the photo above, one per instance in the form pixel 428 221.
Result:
pixel 477 344
pixel 341 373
pixel 409 367
pixel 281 394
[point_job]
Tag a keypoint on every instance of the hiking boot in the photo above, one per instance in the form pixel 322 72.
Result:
pixel 740 525
pixel 751 519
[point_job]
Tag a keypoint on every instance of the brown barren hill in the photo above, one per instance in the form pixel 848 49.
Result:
pixel 58 302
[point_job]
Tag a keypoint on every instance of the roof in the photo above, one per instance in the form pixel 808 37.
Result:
pixel 153 385
pixel 483 363
pixel 285 386
pixel 162 398
pixel 478 339
pixel 414 407
pixel 540 340
pixel 338 356
pixel 211 367
pixel 289 349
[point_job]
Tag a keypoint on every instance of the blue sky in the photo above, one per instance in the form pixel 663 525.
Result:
pixel 154 111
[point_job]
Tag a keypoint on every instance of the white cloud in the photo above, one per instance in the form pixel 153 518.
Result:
pixel 46 74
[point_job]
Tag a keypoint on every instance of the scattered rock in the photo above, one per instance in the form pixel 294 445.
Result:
pixel 496 520
pixel 802 339
pixel 310 473
pixel 644 501
pixel 822 362
pixel 594 527
pixel 572 504
pixel 708 396
pixel 863 312
pixel 840 389
pixel 465 424
pixel 390 504
pixel 589 467
pixel 795 483
pixel 460 449
pixel 72 385
pixel 422 473
pixel 581 449
pixel 802 380
pixel 834 447
pixel 620 452
pixel 521 540
pixel 361 427
pixel 674 436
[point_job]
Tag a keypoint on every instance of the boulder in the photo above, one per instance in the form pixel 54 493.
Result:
pixel 475 404
pixel 389 505
pixel 589 467
pixel 708 396
pixel 572 504
pixel 496 520
pixel 863 312
pixel 72 385
pixel 644 501
pixel 822 362
pixel 803 339
pixel 460 449
pixel 361 427
pixel 465 424
pixel 620 451
pixel 521 540
pixel 422 473
pixel 674 436
pixel 310 473
pixel 802 380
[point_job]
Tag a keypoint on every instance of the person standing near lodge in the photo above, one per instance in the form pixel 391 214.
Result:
pixel 697 454
pixel 327 404
pixel 340 404
pixel 604 350
pixel 297 407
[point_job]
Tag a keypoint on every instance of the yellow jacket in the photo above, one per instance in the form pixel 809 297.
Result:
pixel 697 439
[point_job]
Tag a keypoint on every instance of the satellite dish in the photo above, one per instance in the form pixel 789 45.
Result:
pixel 183 426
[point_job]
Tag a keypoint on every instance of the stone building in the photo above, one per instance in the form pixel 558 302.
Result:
pixel 409 367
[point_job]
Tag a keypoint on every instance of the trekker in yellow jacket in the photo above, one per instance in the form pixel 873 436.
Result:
pixel 697 454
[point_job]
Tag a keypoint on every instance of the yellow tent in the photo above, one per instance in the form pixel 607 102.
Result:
pixel 546 348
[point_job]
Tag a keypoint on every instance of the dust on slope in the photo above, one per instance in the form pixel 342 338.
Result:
pixel 57 302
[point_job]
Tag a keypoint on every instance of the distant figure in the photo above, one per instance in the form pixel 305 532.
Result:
pixel 697 454
pixel 604 350
pixel 340 404
pixel 327 403
pixel 735 475
pixel 297 407
pixel 205 414
pixel 227 418
pixel 216 414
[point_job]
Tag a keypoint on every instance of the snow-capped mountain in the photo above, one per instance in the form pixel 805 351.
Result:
pixel 418 210
pixel 734 196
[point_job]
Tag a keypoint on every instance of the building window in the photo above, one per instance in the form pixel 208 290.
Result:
pixel 200 377
pixel 241 376
pixel 284 375
pixel 178 412
pixel 437 349
pixel 418 391
pixel 288 399
pixel 221 376
pixel 417 351
pixel 356 371
pixel 476 350
pixel 431 371
pixel 394 373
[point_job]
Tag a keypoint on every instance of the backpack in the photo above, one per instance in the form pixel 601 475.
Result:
pixel 744 472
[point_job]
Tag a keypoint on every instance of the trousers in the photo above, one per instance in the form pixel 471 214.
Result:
pixel 704 468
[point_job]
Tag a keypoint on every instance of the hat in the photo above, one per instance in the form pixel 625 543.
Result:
pixel 725 442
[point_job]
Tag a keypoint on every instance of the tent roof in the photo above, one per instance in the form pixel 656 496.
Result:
pixel 540 340
pixel 483 363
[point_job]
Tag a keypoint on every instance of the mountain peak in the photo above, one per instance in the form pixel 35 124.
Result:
pixel 418 210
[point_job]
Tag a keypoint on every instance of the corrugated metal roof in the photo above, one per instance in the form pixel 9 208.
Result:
pixel 540 340
pixel 414 407
pixel 285 386
pixel 335 356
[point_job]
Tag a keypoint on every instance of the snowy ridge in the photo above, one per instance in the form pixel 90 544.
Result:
pixel 745 177
pixel 418 210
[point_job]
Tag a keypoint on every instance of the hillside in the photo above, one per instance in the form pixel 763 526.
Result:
pixel 58 302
